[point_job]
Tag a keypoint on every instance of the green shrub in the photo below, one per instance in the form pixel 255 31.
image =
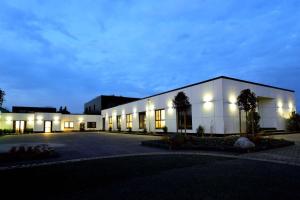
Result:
pixel 165 129
pixel 28 130
pixel 110 129
pixel 119 129
pixel 293 123
pixel 145 130
pixel 177 140
pixel 256 118
pixel 129 129
pixel 200 131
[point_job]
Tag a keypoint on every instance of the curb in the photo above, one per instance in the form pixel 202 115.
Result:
pixel 144 154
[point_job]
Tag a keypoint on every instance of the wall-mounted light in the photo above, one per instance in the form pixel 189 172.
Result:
pixel 280 107
pixel 9 120
pixel 39 119
pixel 80 119
pixel 134 110
pixel 232 103
pixel 56 119
pixel 170 107
pixel 291 107
pixel 30 120
pixel 207 102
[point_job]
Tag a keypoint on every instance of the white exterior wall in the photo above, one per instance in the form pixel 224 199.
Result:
pixel 274 107
pixel 213 106
pixel 207 110
pixel 37 120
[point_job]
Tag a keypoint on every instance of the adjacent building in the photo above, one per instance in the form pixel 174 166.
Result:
pixel 213 106
pixel 101 102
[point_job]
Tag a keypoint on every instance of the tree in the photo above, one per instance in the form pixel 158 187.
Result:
pixel 63 110
pixel 247 101
pixel 255 125
pixel 181 104
pixel 2 94
pixel 293 123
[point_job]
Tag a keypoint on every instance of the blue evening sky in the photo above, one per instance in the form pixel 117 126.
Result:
pixel 61 52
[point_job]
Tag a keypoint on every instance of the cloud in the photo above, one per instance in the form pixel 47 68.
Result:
pixel 66 54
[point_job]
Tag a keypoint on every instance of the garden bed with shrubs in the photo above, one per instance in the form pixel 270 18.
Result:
pixel 182 142
pixel 28 153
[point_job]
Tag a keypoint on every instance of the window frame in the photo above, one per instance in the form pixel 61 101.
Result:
pixel 67 124
pixel 144 119
pixel 89 123
pixel 129 120
pixel 158 118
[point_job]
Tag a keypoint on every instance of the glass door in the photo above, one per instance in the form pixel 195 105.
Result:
pixel 19 126
pixel 48 126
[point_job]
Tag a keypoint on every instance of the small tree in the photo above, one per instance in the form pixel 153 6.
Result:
pixel 293 123
pixel 2 94
pixel 247 101
pixel 181 104
pixel 63 110
pixel 254 123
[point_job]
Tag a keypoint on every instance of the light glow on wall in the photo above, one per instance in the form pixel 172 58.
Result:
pixel 208 104
pixel 80 119
pixel 9 120
pixel 39 119
pixel 280 107
pixel 170 107
pixel 291 107
pixel 56 119
pixel 134 110
pixel 232 103
pixel 30 120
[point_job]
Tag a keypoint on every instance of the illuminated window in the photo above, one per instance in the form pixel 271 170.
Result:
pixel 129 121
pixel 69 124
pixel 160 117
pixel 110 123
pixel 188 115
pixel 91 124
pixel 142 120
pixel 119 121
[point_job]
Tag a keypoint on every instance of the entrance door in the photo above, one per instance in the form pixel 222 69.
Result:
pixel 48 126
pixel 19 126
pixel 103 123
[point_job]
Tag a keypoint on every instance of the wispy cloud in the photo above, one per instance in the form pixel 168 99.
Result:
pixel 65 52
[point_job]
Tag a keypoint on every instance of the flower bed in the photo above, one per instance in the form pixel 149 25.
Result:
pixel 24 153
pixel 215 143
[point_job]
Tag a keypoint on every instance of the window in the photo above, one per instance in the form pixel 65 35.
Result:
pixel 110 123
pixel 189 124
pixel 69 124
pixel 142 120
pixel 160 118
pixel 129 121
pixel 91 124
pixel 119 121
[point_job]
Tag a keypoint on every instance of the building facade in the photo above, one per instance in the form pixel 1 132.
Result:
pixel 49 122
pixel 213 106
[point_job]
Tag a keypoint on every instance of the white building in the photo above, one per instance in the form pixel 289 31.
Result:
pixel 49 122
pixel 213 106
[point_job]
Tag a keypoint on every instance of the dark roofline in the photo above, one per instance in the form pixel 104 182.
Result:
pixel 212 79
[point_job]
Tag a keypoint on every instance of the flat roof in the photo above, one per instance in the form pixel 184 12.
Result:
pixel 212 79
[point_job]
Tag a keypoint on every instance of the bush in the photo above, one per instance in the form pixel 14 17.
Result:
pixel 119 129
pixel 200 130
pixel 110 129
pixel 176 141
pixel 6 131
pixel 145 130
pixel 293 123
pixel 28 130
pixel 129 129
pixel 165 129
pixel 256 118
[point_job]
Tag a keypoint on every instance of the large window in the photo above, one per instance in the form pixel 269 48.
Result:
pixel 189 124
pixel 119 121
pixel 110 123
pixel 91 124
pixel 69 124
pixel 129 121
pixel 160 117
pixel 142 120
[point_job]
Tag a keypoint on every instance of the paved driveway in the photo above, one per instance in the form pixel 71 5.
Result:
pixel 84 145
pixel 290 154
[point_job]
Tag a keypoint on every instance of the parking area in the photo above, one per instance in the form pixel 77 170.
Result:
pixel 83 145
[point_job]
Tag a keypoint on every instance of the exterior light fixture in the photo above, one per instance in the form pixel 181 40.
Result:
pixel 208 104
pixel 9 120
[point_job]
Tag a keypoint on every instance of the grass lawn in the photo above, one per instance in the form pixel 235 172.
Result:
pixel 154 177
